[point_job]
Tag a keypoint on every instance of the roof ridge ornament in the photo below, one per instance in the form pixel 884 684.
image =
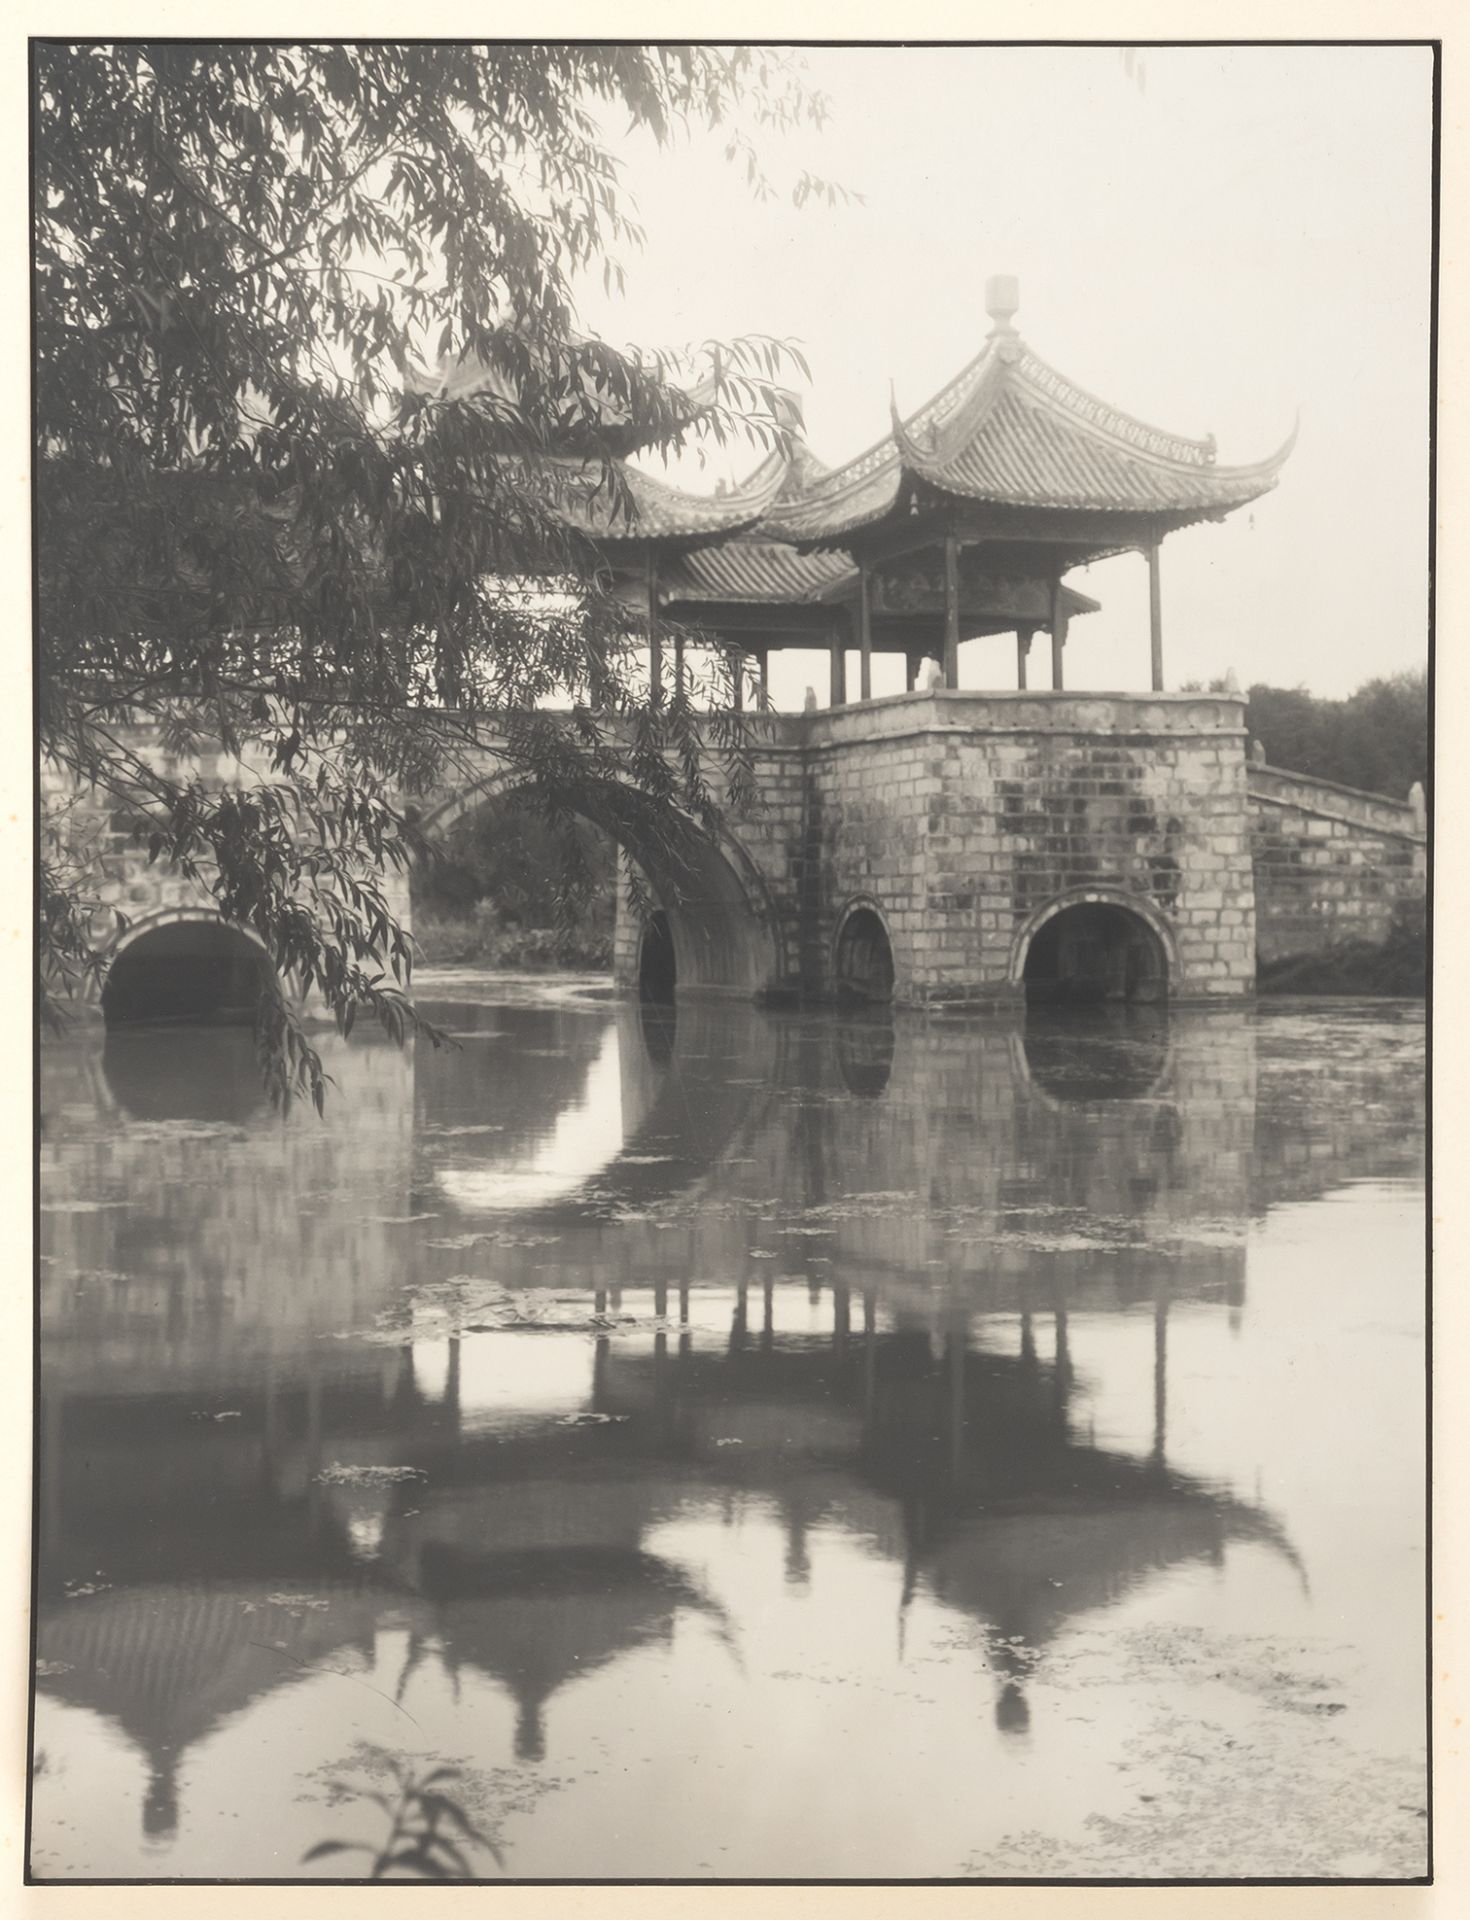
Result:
pixel 1002 301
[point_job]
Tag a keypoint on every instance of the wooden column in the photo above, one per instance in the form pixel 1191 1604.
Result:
pixel 765 676
pixel 655 640
pixel 865 630
pixel 1023 647
pixel 1058 634
pixel 951 611
pixel 1155 617
pixel 839 660
pixel 737 676
pixel 911 664
pixel 678 666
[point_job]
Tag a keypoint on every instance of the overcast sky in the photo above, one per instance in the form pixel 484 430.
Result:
pixel 1210 238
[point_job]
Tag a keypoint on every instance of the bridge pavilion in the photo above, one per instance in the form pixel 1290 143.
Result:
pixel 961 522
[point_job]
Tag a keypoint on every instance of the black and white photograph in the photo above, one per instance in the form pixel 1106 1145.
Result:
pixel 733 859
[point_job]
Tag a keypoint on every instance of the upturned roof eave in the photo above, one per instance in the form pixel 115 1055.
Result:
pixel 954 418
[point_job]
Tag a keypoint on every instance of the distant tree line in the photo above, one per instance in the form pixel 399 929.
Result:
pixel 1377 738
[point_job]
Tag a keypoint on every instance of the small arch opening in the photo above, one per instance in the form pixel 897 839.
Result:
pixel 200 972
pixel 657 971
pixel 864 961
pixel 1095 953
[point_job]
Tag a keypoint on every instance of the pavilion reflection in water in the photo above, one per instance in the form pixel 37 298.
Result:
pixel 932 1416
pixel 524 1554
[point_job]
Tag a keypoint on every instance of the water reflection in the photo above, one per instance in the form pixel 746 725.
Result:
pixel 865 1053
pixel 1097 1053
pixel 471 1393
pixel 183 1073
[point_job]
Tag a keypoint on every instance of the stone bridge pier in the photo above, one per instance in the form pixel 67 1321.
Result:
pixel 987 846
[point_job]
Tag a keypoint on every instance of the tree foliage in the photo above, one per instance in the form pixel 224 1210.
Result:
pixel 261 526
pixel 1376 739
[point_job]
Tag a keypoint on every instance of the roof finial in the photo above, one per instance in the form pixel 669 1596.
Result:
pixel 1002 298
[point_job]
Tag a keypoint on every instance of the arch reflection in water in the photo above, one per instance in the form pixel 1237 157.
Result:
pixel 865 1053
pixel 205 1073
pixel 1080 1055
pixel 658 1026
pixel 631 1105
pixel 557 1137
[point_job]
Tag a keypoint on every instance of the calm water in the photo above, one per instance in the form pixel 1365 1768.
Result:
pixel 750 1445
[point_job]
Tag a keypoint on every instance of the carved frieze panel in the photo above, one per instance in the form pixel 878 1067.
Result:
pixel 916 585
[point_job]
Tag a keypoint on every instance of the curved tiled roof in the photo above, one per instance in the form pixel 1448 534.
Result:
pixel 761 572
pixel 754 570
pixel 1010 430
pixel 651 509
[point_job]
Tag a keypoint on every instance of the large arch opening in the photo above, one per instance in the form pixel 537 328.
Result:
pixel 1092 953
pixel 198 970
pixel 714 927
pixel 863 962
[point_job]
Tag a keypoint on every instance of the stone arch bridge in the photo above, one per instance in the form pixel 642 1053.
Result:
pixel 939 847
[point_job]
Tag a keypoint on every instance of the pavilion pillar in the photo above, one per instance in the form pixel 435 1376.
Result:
pixel 951 611
pixel 1023 647
pixel 911 664
pixel 737 676
pixel 838 644
pixel 764 659
pixel 1155 617
pixel 865 630
pixel 1058 634
pixel 655 639
pixel 678 665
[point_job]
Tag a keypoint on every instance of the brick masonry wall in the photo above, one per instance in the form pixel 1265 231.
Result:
pixel 1331 864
